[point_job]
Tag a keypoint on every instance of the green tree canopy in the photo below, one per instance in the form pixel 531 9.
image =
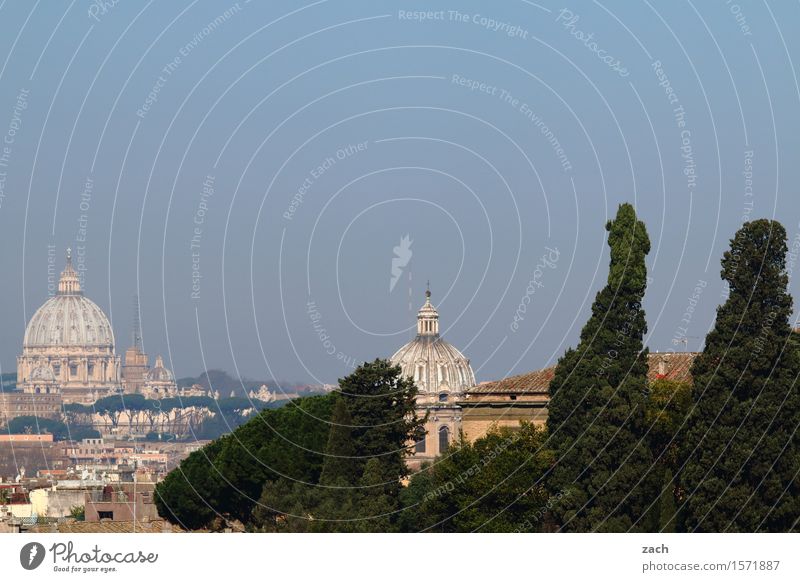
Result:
pixel 597 406
pixel 495 484
pixel 742 445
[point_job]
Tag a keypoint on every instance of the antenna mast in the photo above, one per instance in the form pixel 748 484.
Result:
pixel 137 324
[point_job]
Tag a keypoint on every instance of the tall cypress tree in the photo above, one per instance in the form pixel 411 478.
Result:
pixel 597 399
pixel 742 450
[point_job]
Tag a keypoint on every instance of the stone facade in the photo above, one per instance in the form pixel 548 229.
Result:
pixel 72 337
pixel 525 397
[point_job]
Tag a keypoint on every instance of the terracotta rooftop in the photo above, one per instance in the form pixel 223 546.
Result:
pixel 75 527
pixel 662 365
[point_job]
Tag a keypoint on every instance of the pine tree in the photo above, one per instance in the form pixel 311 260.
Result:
pixel 742 451
pixel 602 477
pixel 340 463
pixel 382 407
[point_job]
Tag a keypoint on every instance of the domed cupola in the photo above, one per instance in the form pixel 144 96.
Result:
pixel 159 373
pixel 439 370
pixel 69 318
pixel 70 339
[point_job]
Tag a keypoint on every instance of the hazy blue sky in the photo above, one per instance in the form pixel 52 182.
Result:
pixel 488 136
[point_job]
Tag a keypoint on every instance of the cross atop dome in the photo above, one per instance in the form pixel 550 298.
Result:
pixel 428 318
pixel 69 283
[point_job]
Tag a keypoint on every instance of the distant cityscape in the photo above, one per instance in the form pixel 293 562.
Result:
pixel 86 436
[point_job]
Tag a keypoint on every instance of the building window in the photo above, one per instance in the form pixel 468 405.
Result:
pixel 444 439
pixel 105 515
pixel 443 397
pixel 73 370
pixel 419 447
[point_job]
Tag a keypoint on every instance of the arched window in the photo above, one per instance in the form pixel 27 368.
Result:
pixel 444 439
pixel 419 446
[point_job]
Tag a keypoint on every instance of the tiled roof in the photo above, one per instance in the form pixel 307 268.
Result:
pixel 662 365
pixel 74 527
pixel 671 366
pixel 536 382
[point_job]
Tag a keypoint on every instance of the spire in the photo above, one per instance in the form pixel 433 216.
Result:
pixel 69 283
pixel 428 318
pixel 137 324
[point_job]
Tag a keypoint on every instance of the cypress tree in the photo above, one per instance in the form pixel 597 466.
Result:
pixel 597 406
pixel 742 453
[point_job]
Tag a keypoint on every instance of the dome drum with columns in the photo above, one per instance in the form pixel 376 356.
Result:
pixel 442 375
pixel 72 337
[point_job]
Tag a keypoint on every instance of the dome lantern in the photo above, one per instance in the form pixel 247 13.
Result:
pixel 428 318
pixel 69 283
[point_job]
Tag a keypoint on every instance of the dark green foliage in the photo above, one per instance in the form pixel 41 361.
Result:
pixel 230 473
pixel 376 509
pixel 341 465
pixel 189 495
pixel 59 430
pixel 495 484
pixel 359 486
pixel 741 447
pixel 596 413
pixel 667 506
pixel 668 407
pixel 382 407
pixel 78 513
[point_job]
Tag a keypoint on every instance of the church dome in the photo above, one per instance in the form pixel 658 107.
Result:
pixel 436 366
pixel 69 318
pixel 159 373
